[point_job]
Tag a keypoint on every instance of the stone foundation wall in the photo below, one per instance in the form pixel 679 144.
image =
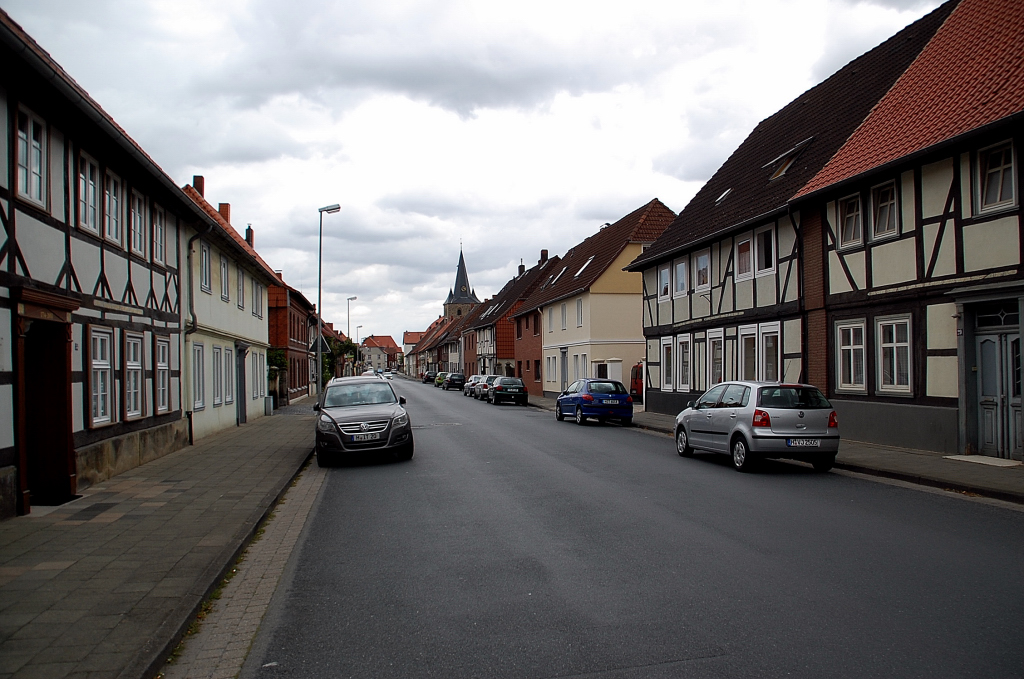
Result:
pixel 110 457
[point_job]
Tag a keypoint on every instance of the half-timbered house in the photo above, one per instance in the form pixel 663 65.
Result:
pixel 90 310
pixel 725 290
pixel 915 229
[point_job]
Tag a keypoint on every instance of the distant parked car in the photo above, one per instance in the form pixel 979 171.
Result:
pixel 480 390
pixel 428 377
pixel 598 398
pixel 439 380
pixel 388 374
pixel 454 381
pixel 467 389
pixel 755 420
pixel 508 390
pixel 361 414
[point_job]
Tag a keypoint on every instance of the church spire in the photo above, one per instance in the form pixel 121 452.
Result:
pixel 462 298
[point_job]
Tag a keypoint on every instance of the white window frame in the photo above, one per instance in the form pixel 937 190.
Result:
pixel 668 368
pixel 88 194
pixel 575 366
pixel 101 363
pixel 218 377
pixel 697 286
pixel 133 376
pixel 717 335
pixel 579 312
pixel 205 268
pixel 841 242
pixel 684 349
pixel 30 161
pixel 229 375
pixel 225 279
pixel 843 350
pixel 564 316
pixel 880 348
pixel 766 330
pixel 664 282
pixel 263 374
pixel 895 211
pixel 113 206
pixel 747 238
pixel 240 272
pixel 981 174
pixel 744 332
pixel 681 278
pixel 137 223
pixel 257 299
pixel 758 245
pixel 162 375
pixel 159 234
pixel 198 376
pixel 551 318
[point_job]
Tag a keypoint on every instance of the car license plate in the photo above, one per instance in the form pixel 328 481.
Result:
pixel 803 443
pixel 610 403
pixel 513 391
pixel 365 437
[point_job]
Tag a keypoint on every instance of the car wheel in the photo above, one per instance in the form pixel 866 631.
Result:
pixel 824 464
pixel 558 412
pixel 322 459
pixel 742 459
pixel 683 443
pixel 580 417
pixel 627 421
pixel 494 401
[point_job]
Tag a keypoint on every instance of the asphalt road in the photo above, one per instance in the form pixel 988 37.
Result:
pixel 513 545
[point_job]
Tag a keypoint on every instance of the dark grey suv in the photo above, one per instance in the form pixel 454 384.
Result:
pixel 361 415
pixel 754 420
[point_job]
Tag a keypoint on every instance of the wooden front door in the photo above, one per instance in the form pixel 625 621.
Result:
pixel 999 395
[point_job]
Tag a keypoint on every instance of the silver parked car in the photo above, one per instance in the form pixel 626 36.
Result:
pixel 754 420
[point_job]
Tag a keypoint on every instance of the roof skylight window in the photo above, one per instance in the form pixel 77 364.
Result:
pixel 718 201
pixel 559 275
pixel 784 161
pixel 584 266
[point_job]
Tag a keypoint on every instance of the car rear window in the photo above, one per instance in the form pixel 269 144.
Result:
pixel 457 376
pixel 793 397
pixel 607 388
pixel 511 382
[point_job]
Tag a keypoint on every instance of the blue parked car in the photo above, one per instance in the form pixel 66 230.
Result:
pixel 598 398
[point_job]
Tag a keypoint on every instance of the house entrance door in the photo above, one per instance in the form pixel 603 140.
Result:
pixel 999 395
pixel 48 443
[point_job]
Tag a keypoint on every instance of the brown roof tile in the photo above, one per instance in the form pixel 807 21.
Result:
pixel 970 74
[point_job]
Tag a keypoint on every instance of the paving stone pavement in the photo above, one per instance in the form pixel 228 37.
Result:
pixel 104 586
pixel 220 647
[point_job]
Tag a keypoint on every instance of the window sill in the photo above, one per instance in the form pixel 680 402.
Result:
pixel 766 272
pixel 851 391
pixel 101 425
pixel 995 210
pixel 879 238
pixel 894 392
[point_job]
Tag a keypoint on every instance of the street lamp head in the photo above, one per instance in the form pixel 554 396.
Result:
pixel 352 299
pixel 331 209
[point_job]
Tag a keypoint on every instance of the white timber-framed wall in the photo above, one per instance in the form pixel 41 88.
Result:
pixel 90 318
pixel 924 313
pixel 723 309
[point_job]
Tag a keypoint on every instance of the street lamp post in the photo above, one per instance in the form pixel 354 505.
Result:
pixel 348 317
pixel 330 209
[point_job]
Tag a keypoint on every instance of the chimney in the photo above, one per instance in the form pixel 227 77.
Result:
pixel 280 274
pixel 248 234
pixel 543 256
pixel 522 268
pixel 225 211
pixel 199 184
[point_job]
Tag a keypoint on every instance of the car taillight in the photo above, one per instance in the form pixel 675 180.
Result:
pixel 587 397
pixel 833 421
pixel 761 419
pixel 629 399
pixel 497 388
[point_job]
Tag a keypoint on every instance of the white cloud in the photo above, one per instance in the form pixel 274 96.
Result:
pixel 509 127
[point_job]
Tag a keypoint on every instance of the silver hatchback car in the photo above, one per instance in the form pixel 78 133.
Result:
pixel 754 420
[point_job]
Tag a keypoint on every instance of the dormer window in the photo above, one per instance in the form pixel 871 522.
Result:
pixel 784 161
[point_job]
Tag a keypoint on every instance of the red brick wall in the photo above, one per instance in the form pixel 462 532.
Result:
pixel 529 348
pixel 814 296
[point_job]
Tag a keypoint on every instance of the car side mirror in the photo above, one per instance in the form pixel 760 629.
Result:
pixel 316 406
pixel 401 400
pixel 690 404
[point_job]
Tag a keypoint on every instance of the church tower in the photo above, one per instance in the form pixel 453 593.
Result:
pixel 461 298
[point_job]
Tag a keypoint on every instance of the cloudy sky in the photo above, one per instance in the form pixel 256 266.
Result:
pixel 508 127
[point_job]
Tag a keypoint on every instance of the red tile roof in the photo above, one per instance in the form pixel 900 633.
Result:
pixel 412 337
pixel 970 74
pixel 385 342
